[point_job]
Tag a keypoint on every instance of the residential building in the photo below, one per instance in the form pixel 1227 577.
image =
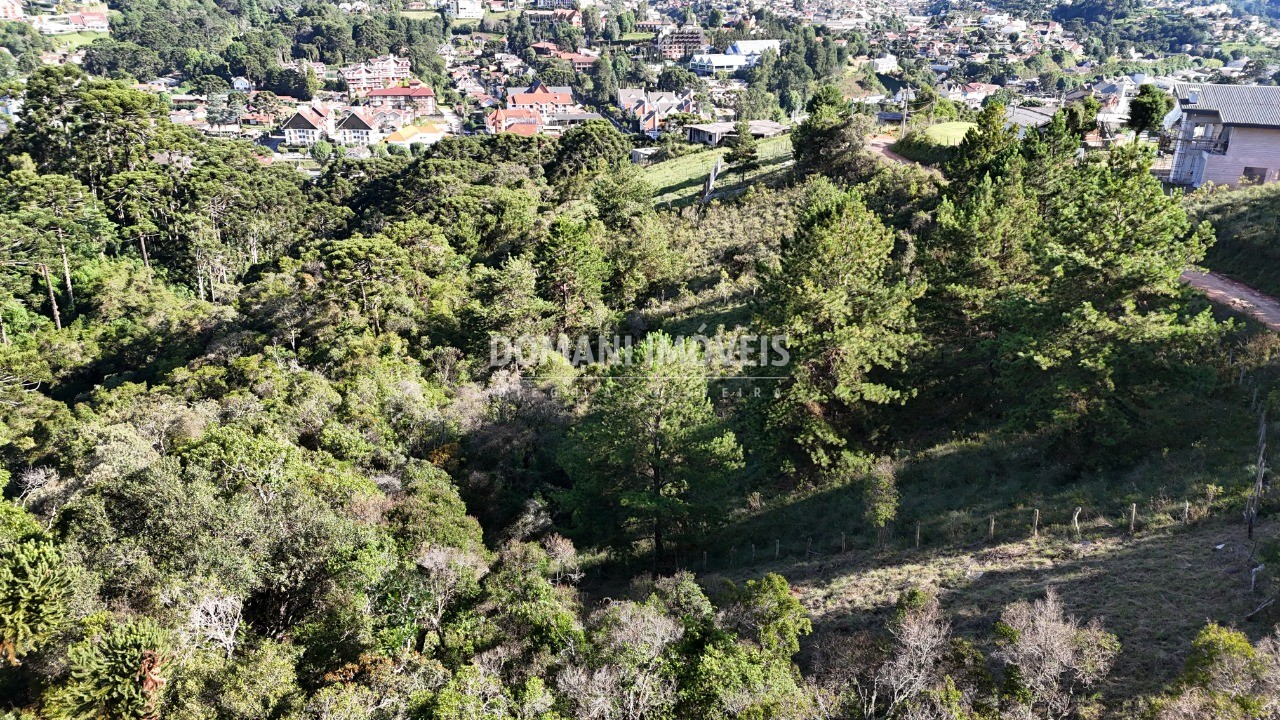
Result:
pixel 425 134
pixel 1226 134
pixel 518 121
pixel 416 96
pixel 358 128
pixel 380 72
pixel 556 125
pixel 681 43
pixel 11 10
pixel 650 109
pixel 558 15
pixel 541 99
pixel 309 125
pixel 465 9
pixel 301 67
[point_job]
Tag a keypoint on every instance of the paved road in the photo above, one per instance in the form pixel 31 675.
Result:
pixel 1263 308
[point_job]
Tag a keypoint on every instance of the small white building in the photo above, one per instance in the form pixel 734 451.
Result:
pixel 465 9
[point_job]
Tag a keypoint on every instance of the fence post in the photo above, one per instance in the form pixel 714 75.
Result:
pixel 1133 517
pixel 1186 511
pixel 991 529
pixel 917 535
pixel 1035 524
pixel 1075 522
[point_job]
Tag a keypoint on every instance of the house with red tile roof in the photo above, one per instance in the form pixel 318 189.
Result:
pixel 418 97
pixel 518 121
pixel 359 128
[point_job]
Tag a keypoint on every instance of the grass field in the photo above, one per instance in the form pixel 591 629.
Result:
pixel 1154 589
pixel 636 37
pixel 679 181
pixel 72 41
pixel 1247 224
pixel 948 133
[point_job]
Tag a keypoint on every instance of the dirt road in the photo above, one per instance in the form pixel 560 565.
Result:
pixel 880 145
pixel 1244 299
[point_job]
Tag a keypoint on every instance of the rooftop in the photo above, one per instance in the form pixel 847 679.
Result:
pixel 1234 104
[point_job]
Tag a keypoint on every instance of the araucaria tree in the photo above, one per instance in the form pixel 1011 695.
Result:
pixel 651 455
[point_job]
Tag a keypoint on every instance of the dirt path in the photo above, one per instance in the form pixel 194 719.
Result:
pixel 880 145
pixel 1263 308
pixel 1241 298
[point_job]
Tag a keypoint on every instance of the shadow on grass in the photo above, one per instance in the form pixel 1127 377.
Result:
pixel 769 170
pixel 1154 592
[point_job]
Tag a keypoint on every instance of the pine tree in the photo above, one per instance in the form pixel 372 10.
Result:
pixel 742 149
pixel 839 297
pixel 650 460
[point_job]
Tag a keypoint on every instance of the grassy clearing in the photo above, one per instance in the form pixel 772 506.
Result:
pixel 1247 224
pixel 953 487
pixel 73 41
pixel 1154 590
pixel 636 37
pixel 679 181
pixel 948 133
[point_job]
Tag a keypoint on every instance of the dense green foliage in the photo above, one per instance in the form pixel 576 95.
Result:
pixel 266 455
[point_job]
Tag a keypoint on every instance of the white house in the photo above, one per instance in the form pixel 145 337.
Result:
pixel 358 128
pixel 465 9
pixel 308 126
pixel 1226 134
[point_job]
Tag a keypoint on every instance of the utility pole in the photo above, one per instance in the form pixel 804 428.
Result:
pixel 906 93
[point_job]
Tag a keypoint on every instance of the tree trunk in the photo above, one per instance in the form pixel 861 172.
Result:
pixel 53 301
pixel 4 332
pixel 657 495
pixel 142 244
pixel 66 276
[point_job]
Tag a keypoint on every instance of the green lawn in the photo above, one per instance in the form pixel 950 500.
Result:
pixel 948 133
pixel 636 37
pixel 71 41
pixel 680 180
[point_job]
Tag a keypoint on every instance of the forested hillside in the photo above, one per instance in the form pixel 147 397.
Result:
pixel 263 459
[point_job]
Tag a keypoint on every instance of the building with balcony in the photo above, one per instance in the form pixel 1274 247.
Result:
pixel 1225 134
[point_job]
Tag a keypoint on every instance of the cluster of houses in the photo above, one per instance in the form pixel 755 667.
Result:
pixel 1222 133
pixel 402 114
pixel 538 109
pixel 396 121
pixel 384 104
